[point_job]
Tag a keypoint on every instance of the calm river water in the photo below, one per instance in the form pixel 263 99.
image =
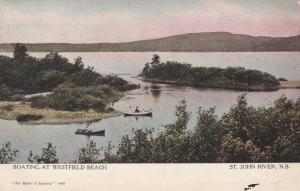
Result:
pixel 161 98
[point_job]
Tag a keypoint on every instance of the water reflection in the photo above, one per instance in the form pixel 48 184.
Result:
pixel 155 91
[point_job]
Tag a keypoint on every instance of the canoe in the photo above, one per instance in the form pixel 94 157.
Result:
pixel 143 113
pixel 90 132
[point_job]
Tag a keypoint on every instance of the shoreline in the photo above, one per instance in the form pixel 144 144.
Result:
pixel 50 116
pixel 291 84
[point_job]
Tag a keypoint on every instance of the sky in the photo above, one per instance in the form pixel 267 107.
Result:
pixel 92 21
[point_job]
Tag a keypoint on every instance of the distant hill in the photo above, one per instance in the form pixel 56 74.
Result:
pixel 192 42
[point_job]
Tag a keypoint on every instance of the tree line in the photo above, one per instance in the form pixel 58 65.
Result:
pixel 208 77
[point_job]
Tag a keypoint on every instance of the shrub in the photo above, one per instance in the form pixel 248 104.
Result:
pixel 16 97
pixel 29 117
pixel 4 92
pixel 244 134
pixel 70 98
pixel 89 154
pixel 48 156
pixel 7 154
pixel 282 79
pixel 50 79
pixel 110 109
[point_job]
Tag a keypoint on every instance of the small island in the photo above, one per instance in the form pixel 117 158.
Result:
pixel 234 78
pixel 75 93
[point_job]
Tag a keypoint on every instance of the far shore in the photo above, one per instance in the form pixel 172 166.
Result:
pixel 50 116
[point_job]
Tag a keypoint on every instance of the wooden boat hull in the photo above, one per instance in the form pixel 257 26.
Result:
pixel 91 133
pixel 148 113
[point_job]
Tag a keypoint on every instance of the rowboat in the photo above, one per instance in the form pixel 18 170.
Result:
pixel 90 132
pixel 141 113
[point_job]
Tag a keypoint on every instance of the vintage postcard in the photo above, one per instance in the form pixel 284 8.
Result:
pixel 150 95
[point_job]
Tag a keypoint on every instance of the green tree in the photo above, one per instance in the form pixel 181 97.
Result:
pixel 207 136
pixel 89 154
pixel 182 119
pixel 20 53
pixel 155 59
pixel 7 154
pixel 48 156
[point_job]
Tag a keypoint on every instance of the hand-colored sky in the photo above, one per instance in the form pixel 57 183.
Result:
pixel 128 20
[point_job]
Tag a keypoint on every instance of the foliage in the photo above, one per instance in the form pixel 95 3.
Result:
pixel 48 156
pixel 7 154
pixel 118 83
pixel 282 79
pixel 207 136
pixel 109 110
pixel 50 78
pixel 70 98
pixel 25 74
pixel 20 53
pixel 230 77
pixel 244 134
pixel 182 119
pixel 4 92
pixel 28 117
pixel 89 154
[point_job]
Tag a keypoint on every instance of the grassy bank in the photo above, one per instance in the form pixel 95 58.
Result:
pixel 11 110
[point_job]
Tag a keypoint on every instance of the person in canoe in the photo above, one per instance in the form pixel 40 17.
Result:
pixel 137 110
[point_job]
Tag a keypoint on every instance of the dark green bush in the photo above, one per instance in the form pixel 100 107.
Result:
pixel 29 117
pixel 17 97
pixel 48 156
pixel 109 109
pixel 7 153
pixel 69 98
pixel 89 154
pixel 50 79
pixel 282 79
pixel 4 92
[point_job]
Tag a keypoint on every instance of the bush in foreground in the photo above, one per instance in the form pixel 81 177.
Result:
pixel 48 156
pixel 7 154
pixel 89 154
pixel 244 134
